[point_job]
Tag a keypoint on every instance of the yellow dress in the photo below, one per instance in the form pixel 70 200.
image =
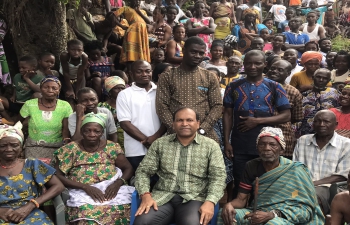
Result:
pixel 223 21
pixel 135 44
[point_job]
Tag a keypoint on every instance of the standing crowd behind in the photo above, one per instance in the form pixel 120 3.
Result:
pixel 243 98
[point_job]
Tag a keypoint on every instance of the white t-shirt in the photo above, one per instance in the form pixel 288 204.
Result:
pixel 296 69
pixel 150 7
pixel 136 105
pixel 319 2
pixel 279 13
pixel 110 127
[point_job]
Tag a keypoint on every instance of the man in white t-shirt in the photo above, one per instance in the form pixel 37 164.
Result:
pixel 137 113
pixel 291 55
pixel 278 11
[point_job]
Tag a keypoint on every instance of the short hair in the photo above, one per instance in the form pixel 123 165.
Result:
pixel 342 53
pixel 161 9
pixel 159 69
pixel 267 19
pixel 324 39
pixel 133 65
pixel 85 90
pixel 325 70
pixel 93 45
pixel 182 108
pixel 312 43
pixel 42 55
pixel 294 50
pixel 291 9
pixel 74 42
pixel 118 73
pixel 216 70
pixel 216 43
pixel 296 18
pixel 289 65
pixel 270 58
pixel 257 38
pixel 194 41
pixel 255 52
pixel 313 11
pixel 280 35
pixel 178 26
pixel 171 7
pixel 31 60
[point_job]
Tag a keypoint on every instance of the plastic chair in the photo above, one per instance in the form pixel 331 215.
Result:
pixel 59 208
pixel 136 201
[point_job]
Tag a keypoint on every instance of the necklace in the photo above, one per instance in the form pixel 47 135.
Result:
pixel 94 149
pixel 9 167
pixel 48 107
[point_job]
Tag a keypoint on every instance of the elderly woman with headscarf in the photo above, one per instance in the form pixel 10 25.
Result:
pixel 113 86
pixel 21 181
pixel 303 80
pixel 48 120
pixel 95 171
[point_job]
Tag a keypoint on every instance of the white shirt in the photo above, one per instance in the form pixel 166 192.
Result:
pixel 136 105
pixel 279 13
pixel 150 7
pixel 319 2
pixel 332 159
pixel 296 69
pixel 179 15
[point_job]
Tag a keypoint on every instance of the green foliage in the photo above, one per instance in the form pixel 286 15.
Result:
pixel 340 43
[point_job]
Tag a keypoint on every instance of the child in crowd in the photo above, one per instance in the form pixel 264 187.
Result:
pixel 26 85
pixel 332 30
pixel 313 5
pixel 158 56
pixel 294 39
pixel 174 47
pixel 312 46
pixel 278 12
pixel 314 30
pixel 45 63
pixel 264 34
pixel 283 26
pixel 277 43
pixel 329 59
pixel 171 12
pixel 73 64
pixel 99 68
pixel 269 24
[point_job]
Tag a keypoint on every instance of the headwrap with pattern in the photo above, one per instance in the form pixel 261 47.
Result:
pixel 113 81
pixel 275 133
pixel 49 78
pixel 12 131
pixel 100 118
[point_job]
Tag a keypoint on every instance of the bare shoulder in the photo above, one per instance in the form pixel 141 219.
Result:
pixel 342 198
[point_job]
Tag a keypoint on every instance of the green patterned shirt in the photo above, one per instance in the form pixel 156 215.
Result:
pixel 195 172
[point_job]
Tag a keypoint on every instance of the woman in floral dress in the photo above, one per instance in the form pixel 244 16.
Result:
pixel 95 172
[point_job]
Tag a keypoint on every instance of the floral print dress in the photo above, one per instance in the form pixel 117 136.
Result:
pixel 207 38
pixel 91 168
pixel 16 191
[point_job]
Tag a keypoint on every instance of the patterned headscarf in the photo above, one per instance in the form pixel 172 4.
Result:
pixel 111 82
pixel 100 118
pixel 251 11
pixel 230 41
pixel 12 131
pixel 49 78
pixel 307 56
pixel 275 133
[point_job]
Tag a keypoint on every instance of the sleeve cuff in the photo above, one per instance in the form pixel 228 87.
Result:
pixel 283 107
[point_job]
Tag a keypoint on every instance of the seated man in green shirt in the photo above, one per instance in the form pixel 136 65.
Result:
pixel 191 174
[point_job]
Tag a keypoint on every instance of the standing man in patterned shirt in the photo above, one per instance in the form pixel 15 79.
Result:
pixel 190 86
pixel 249 106
pixel 191 174
pixel 278 72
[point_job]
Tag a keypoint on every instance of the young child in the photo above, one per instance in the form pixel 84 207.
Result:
pixel 269 24
pixel 277 43
pixel 278 12
pixel 73 64
pixel 158 56
pixel 332 30
pixel 26 85
pixel 313 5
pixel 314 30
pixel 283 26
pixel 264 34
pixel 99 68
pixel 45 63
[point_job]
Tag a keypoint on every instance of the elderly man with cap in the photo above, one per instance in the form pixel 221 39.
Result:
pixel 318 98
pixel 285 193
pixel 303 80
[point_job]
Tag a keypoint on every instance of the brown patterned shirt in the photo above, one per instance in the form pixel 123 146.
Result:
pixel 295 100
pixel 198 90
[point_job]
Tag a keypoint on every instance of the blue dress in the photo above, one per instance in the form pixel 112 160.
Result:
pixel 16 191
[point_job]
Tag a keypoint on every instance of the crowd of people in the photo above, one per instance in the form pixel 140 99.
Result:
pixel 181 105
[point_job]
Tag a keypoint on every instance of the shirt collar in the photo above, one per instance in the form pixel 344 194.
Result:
pixel 195 140
pixel 332 141
pixel 136 88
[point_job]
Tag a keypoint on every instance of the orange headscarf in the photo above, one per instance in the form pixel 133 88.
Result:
pixel 307 56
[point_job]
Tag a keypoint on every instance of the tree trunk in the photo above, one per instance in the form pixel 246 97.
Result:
pixel 37 26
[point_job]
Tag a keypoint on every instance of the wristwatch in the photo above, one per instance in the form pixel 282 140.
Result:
pixel 201 131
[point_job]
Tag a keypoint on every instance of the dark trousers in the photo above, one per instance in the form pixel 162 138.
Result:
pixel 239 162
pixel 173 211
pixel 135 161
